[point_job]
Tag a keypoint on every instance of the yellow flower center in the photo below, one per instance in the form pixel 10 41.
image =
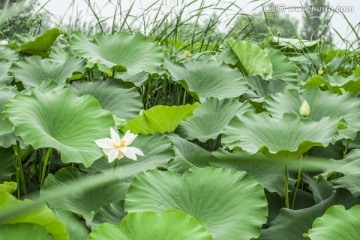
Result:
pixel 121 145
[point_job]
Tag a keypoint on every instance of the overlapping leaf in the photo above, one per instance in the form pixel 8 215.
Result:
pixel 7 136
pixel 287 136
pixel 207 78
pixel 34 70
pixel 322 104
pixel 160 119
pixel 62 121
pixel 251 59
pixel 210 119
pixel 119 52
pixel 122 102
pixel 229 204
pixel 337 223
pixel 170 224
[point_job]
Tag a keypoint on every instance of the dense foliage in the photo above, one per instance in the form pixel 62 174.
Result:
pixel 240 140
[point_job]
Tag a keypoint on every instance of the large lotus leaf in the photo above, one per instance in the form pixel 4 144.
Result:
pixel 206 79
pixel 347 167
pixel 7 136
pixel 209 119
pixel 122 102
pixel 111 213
pixel 268 174
pixel 283 68
pixel 34 70
pixel 160 119
pixel 86 203
pixel 63 121
pixel 337 223
pixel 252 59
pixel 157 153
pixel 41 44
pixel 287 136
pixel 229 203
pixel 264 88
pixel 322 104
pixel 292 224
pixel 21 231
pixel 41 215
pixel 335 83
pixel 119 52
pixel 170 224
pixel 7 57
pixel 75 225
pixel 350 182
pixel 296 44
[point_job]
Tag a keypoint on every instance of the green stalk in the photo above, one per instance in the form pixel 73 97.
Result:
pixel 297 183
pixel 346 148
pixel 287 205
pixel 20 168
pixel 45 161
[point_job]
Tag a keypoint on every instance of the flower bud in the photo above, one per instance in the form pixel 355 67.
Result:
pixel 187 54
pixel 305 109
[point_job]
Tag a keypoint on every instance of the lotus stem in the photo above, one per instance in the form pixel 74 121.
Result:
pixel 46 160
pixel 287 205
pixel 19 169
pixel 297 182
pixel 346 148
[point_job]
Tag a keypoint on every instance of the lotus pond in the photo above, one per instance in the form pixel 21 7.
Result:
pixel 123 136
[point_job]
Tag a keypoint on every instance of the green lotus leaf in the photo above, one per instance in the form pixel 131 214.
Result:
pixel 322 104
pixel 335 83
pixel 119 52
pixel 269 175
pixel 7 136
pixel 209 119
pixel 170 224
pixel 292 224
pixel 41 215
pixel 336 223
pixel 75 226
pixel 41 44
pixel 264 88
pixel 33 70
pixel 111 213
pixel 252 59
pixel 87 203
pixel 287 136
pixel 229 203
pixel 7 57
pixel 122 102
pixel 62 121
pixel 296 44
pixel 187 154
pixel 21 231
pixel 348 166
pixel 207 78
pixel 283 68
pixel 160 119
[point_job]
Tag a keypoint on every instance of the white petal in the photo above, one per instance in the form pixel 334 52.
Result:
pixel 107 150
pixel 115 137
pixel 135 150
pixel 129 137
pixel 120 156
pixel 129 154
pixel 113 153
pixel 104 143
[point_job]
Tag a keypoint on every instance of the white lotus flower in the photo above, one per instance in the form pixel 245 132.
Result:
pixel 4 43
pixel 117 148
